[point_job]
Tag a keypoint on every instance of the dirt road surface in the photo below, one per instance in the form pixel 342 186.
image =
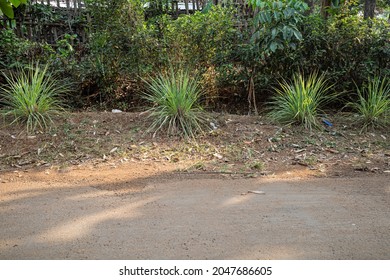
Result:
pixel 132 212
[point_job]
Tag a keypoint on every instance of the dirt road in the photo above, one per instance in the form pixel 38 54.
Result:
pixel 133 213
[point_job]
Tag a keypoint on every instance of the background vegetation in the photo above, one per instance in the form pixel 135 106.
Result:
pixel 236 57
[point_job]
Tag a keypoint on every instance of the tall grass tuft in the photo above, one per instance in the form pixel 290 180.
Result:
pixel 176 99
pixel 373 104
pixel 300 101
pixel 32 96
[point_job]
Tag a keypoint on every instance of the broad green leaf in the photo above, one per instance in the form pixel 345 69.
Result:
pixel 285 33
pixel 256 19
pixel 7 9
pixel 13 23
pixel 276 15
pixel 297 34
pixel 255 36
pixel 274 33
pixel 15 3
pixel 273 46
pixel 268 17
pixel 262 18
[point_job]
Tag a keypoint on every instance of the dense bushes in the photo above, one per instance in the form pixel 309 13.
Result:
pixel 206 42
pixel 202 39
pixel 16 52
pixel 348 49
pixel 115 50
pixel 124 48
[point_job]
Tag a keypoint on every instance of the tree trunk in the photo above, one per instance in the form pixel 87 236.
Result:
pixel 252 95
pixel 369 8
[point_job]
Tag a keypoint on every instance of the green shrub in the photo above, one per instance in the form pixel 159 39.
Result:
pixel 276 24
pixel 206 42
pixel 373 102
pixel 202 39
pixel 347 48
pixel 118 49
pixel 32 96
pixel 18 52
pixel 301 100
pixel 175 97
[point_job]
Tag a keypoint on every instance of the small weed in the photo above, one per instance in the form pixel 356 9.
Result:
pixel 249 153
pixel 310 141
pixel 257 165
pixel 310 160
pixel 135 129
pixel 200 165
pixel 224 168
pixel 85 122
pixel 330 144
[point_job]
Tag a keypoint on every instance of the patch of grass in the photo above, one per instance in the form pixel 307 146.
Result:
pixel 300 101
pixel 32 96
pixel 310 141
pixel 200 165
pixel 310 160
pixel 176 98
pixel 373 104
pixel 330 144
pixel 257 165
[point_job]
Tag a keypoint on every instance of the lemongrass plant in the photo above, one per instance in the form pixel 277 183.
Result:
pixel 175 98
pixel 373 103
pixel 300 101
pixel 32 96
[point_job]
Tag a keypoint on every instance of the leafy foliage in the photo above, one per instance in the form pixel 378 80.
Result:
pixel 276 23
pixel 206 42
pixel 17 52
pixel 32 96
pixel 202 39
pixel 6 7
pixel 373 102
pixel 300 101
pixel 117 47
pixel 175 96
pixel 126 42
pixel 348 48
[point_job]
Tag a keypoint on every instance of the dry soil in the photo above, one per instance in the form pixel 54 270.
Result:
pixel 151 211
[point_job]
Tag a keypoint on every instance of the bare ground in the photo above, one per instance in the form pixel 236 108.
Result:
pixel 98 187
pixel 143 212
pixel 241 145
